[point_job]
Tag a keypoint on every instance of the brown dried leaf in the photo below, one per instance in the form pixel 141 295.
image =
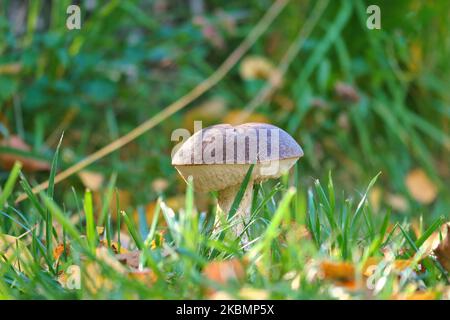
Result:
pixel 10 68
pixel 28 164
pixel 146 276
pixel 159 185
pixel 130 259
pixel 284 102
pixel 344 272
pixel 346 92
pixel 256 67
pixel 91 180
pixel 420 186
pixel 224 271
pixel 337 271
pixel 397 202
pixel 375 196
pixel 442 251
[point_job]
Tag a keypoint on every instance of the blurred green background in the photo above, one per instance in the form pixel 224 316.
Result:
pixel 358 101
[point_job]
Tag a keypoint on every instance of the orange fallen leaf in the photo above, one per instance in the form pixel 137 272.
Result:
pixel 28 164
pixel 338 271
pixel 146 276
pixel 224 271
pixel 344 272
pixel 59 250
pixel 419 295
pixel 402 264
pixel 420 186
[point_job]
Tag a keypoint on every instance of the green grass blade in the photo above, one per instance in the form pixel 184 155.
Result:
pixel 240 194
pixel 91 232
pixel 107 199
pixel 32 197
pixel 133 231
pixel 50 192
pixel 9 185
pixel 362 202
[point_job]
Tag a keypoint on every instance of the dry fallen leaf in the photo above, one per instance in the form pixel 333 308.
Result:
pixel 130 259
pixel 337 271
pixel 209 112
pixel 375 198
pixel 234 117
pixel 286 103
pixel 159 185
pixel 10 68
pixel 253 294
pixel 344 273
pixel 419 295
pixel 420 186
pixel 28 164
pixel 220 295
pixel 346 92
pixel 146 276
pixel 59 250
pixel 91 180
pixel 256 67
pixel 224 271
pixel 397 202
pixel 14 251
pixel 95 279
pixel 402 264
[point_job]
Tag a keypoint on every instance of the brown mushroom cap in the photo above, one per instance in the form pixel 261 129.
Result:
pixel 219 156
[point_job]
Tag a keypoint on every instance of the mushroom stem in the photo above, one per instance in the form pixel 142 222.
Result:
pixel 242 215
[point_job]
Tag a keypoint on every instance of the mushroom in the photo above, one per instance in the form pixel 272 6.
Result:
pixel 219 157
